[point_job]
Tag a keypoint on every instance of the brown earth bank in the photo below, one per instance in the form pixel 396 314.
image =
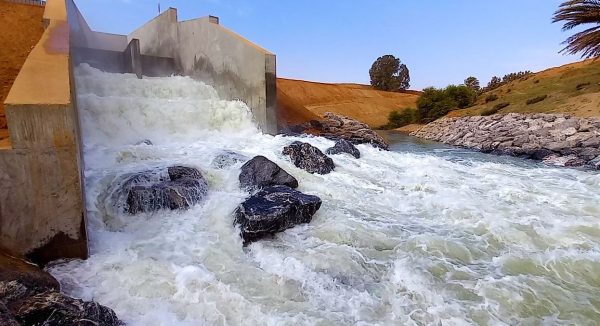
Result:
pixel 21 27
pixel 555 138
pixel 301 101
pixel 572 89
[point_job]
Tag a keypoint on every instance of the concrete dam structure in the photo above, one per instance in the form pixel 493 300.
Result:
pixel 42 210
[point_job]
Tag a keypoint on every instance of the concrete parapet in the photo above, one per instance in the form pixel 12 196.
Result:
pixel 41 208
pixel 205 50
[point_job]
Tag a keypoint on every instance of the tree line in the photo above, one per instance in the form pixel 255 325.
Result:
pixel 388 73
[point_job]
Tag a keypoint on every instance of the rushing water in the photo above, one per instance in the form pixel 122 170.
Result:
pixel 423 234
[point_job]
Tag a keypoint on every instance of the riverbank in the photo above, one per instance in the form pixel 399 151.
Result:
pixel 555 138
pixel 300 101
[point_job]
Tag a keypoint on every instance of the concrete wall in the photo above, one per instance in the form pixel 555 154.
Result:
pixel 41 207
pixel 205 50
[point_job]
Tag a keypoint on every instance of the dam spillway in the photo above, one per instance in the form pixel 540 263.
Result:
pixel 422 234
pixel 42 213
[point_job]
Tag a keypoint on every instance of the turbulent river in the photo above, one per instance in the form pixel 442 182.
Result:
pixel 423 234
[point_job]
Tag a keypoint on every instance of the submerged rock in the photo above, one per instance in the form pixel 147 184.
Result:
pixel 260 172
pixel 274 209
pixel 344 146
pixel 144 142
pixel 185 187
pixel 227 159
pixel 309 158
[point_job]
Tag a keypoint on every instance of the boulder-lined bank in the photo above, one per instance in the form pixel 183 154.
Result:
pixel 555 138
pixel 336 127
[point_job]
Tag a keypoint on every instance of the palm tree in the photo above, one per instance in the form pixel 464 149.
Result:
pixel 576 13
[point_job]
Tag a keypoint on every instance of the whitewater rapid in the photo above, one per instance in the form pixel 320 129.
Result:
pixel 403 237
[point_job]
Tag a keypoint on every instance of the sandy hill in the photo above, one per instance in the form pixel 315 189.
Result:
pixel 572 88
pixel 300 101
pixel 21 27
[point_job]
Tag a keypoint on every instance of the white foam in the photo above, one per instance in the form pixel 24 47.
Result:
pixel 401 238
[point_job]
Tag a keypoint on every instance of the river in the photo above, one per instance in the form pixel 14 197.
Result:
pixel 423 234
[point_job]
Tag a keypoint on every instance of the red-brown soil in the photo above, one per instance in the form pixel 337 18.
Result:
pixel 21 27
pixel 300 101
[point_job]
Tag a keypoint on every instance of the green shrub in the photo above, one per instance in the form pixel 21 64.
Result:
pixel 461 94
pixel 495 109
pixel 491 98
pixel 434 103
pixel 489 111
pixel 582 85
pixel 501 106
pixel 536 99
pixel 496 81
pixel 400 119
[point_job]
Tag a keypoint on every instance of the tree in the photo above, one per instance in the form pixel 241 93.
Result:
pixel 462 95
pixel 576 13
pixel 401 119
pixel 494 83
pixel 434 103
pixel 389 74
pixel 473 83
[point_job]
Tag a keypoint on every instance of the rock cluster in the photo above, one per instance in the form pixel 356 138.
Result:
pixel 340 127
pixel 309 158
pixel 30 296
pixel 275 206
pixel 149 191
pixel 554 138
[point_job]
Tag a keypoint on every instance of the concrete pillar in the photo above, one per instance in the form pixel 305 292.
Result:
pixel 132 58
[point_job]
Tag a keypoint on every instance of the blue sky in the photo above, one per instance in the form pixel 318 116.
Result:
pixel 441 41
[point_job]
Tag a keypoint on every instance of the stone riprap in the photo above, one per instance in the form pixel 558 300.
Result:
pixel 335 126
pixel 555 138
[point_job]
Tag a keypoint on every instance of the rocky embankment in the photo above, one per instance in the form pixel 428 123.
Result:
pixel 339 127
pixel 555 138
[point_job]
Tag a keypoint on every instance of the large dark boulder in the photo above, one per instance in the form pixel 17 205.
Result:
pixel 309 158
pixel 343 146
pixel 34 306
pixel 274 209
pixel 260 172
pixel 146 193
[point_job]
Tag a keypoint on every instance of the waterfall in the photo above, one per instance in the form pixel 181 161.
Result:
pixel 409 236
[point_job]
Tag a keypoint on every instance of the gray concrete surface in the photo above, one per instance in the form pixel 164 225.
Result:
pixel 207 51
pixel 41 206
